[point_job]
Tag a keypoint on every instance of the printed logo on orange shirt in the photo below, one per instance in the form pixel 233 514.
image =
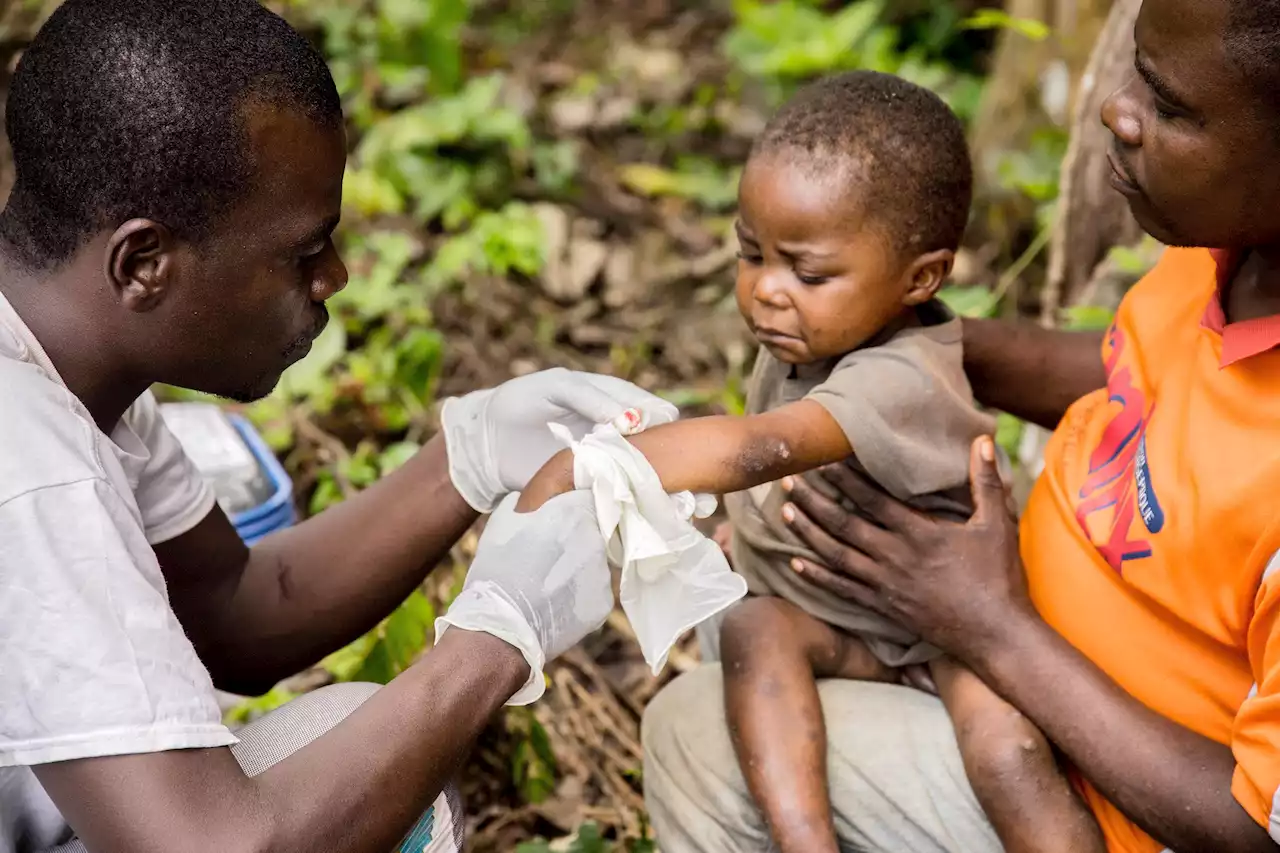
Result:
pixel 1119 474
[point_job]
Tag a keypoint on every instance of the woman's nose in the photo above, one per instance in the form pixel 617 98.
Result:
pixel 1120 115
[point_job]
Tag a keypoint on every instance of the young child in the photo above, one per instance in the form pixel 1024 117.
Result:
pixel 851 207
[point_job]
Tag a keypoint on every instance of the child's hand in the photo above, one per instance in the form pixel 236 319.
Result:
pixel 554 478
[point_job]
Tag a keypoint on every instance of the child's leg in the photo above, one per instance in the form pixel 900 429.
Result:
pixel 1013 770
pixel 772 653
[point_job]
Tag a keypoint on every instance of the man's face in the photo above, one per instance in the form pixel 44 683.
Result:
pixel 252 295
pixel 1195 151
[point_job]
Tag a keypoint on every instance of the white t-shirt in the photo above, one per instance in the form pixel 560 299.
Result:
pixel 93 661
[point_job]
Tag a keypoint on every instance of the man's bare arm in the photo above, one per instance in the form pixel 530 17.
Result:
pixel 357 789
pixel 258 615
pixel 719 454
pixel 1029 371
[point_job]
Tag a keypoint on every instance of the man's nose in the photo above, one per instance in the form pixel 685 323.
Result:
pixel 331 278
pixel 1120 115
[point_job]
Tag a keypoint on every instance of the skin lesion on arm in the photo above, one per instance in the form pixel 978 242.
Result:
pixel 719 454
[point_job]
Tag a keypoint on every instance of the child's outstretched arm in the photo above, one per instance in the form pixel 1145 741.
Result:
pixel 719 454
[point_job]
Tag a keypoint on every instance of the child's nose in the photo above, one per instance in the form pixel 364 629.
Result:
pixel 771 289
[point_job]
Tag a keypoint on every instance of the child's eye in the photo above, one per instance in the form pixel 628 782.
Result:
pixel 749 258
pixel 813 279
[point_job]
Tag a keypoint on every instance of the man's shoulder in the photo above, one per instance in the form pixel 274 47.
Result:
pixel 44 440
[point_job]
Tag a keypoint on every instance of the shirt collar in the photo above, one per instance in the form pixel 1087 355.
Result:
pixel 1239 340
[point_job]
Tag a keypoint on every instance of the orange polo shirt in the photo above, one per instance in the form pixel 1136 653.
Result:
pixel 1151 540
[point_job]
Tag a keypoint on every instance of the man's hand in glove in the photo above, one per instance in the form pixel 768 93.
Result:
pixel 497 439
pixel 539 581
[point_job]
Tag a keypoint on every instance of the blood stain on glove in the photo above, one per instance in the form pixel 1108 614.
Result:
pixel 628 423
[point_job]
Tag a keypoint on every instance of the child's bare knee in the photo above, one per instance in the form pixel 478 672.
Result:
pixel 753 623
pixel 1003 747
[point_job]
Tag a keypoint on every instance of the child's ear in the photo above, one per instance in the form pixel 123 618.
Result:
pixel 926 275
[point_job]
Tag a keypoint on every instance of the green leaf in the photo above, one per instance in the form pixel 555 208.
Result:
pixel 406 630
pixel 988 19
pixel 589 839
pixel 346 662
pixel 255 707
pixel 395 455
pixel 1009 431
pixel 377 667
pixel 969 301
pixel 533 763
pixel 1087 318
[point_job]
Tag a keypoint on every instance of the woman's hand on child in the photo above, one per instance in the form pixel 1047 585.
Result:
pixel 960 586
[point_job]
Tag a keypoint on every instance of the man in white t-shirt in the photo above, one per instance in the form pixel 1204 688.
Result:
pixel 179 174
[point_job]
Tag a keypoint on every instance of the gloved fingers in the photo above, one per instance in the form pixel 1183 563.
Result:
pixel 603 398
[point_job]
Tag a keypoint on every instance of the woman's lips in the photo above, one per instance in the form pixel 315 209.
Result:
pixel 1120 179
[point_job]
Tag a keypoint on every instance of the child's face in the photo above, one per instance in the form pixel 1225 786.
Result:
pixel 814 281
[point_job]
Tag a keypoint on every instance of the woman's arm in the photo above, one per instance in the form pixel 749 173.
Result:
pixel 1029 371
pixel 720 454
pixel 962 586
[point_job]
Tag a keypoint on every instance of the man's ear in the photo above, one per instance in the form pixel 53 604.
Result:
pixel 926 275
pixel 140 263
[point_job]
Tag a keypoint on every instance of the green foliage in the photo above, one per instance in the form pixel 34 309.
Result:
pixel 1035 171
pixel 388 649
pixel 998 19
pixel 388 50
pixel 696 179
pixel 1009 430
pixel 533 764
pixel 447 157
pixel 589 840
pixel 969 301
pixel 787 42
pixel 256 706
pixel 498 242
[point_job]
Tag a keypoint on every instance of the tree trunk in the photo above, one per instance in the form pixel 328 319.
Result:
pixel 1092 217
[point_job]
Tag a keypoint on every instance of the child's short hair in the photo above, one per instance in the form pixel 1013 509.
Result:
pixel 907 147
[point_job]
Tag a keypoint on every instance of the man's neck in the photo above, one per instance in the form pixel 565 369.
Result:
pixel 59 308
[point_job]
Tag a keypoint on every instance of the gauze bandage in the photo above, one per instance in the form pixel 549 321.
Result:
pixel 673 577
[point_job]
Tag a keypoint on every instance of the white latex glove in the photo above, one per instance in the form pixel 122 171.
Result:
pixel 539 581
pixel 497 439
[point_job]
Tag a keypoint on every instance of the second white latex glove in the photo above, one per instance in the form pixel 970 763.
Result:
pixel 539 581
pixel 497 439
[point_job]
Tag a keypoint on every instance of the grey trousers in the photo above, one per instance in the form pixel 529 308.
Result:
pixel 277 735
pixel 896 779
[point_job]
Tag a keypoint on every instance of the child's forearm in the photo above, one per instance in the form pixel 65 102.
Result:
pixel 719 454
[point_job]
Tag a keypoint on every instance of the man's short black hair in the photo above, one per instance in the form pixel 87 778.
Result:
pixel 134 108
pixel 907 149
pixel 1253 45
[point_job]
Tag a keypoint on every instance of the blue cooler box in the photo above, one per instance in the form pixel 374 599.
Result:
pixel 250 484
